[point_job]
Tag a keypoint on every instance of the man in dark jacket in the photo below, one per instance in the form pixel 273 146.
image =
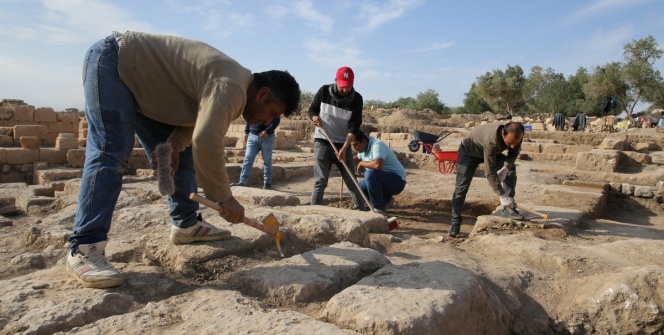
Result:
pixel 258 137
pixel 485 144
pixel 337 108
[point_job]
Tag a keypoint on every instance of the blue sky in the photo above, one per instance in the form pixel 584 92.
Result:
pixel 397 48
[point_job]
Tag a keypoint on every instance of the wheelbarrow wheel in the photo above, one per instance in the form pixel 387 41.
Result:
pixel 414 145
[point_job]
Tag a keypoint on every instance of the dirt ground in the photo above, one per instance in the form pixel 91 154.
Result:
pixel 423 211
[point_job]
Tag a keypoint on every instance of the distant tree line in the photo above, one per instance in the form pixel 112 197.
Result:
pixel 607 89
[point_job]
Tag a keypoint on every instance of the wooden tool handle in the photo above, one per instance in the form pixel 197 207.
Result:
pixel 218 208
pixel 351 173
pixel 545 216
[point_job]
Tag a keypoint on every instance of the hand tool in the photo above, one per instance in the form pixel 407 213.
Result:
pixel 164 179
pixel 544 216
pixel 392 221
pixel 269 226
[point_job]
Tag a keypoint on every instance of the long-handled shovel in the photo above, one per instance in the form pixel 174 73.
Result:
pixel 269 226
pixel 392 220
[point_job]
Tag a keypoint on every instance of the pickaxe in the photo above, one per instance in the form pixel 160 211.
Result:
pixel 269 226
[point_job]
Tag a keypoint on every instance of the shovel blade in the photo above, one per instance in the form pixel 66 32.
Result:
pixel 271 221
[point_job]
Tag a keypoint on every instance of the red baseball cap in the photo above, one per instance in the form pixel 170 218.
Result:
pixel 345 77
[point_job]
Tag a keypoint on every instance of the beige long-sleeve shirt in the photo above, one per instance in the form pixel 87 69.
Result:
pixel 190 85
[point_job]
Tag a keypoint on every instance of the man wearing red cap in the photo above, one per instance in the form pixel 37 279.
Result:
pixel 338 109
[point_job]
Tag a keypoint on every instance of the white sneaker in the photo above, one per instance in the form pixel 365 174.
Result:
pixel 201 231
pixel 90 267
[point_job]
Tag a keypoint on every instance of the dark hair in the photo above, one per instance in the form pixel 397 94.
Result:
pixel 515 128
pixel 360 136
pixel 284 89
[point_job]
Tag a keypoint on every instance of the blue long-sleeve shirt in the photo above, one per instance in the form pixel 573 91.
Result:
pixel 259 127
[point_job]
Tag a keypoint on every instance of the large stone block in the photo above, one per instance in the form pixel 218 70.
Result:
pixel 3 156
pixel 67 117
pixel 40 131
pixel 6 141
pixel 635 158
pixel 8 123
pixel 46 177
pixel 76 158
pixel 281 143
pixel 53 127
pixel 531 147
pixel 598 160
pixel 613 143
pixel 22 156
pixel 45 114
pixel 6 114
pixel 30 142
pixel 53 156
pixel 538 126
pixel 24 113
pixel 550 148
pixel 66 142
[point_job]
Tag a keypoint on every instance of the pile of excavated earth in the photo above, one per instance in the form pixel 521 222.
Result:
pixel 594 265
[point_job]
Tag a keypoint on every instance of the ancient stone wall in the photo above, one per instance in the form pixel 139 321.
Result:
pixel 33 139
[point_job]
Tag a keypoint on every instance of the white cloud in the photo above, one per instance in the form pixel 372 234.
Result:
pixel 602 6
pixel 434 46
pixel 72 21
pixel 305 9
pixel 215 16
pixel 333 55
pixel 376 15
pixel 226 25
pixel 277 11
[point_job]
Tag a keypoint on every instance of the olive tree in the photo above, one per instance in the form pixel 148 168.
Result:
pixel 546 91
pixel 639 71
pixel 502 90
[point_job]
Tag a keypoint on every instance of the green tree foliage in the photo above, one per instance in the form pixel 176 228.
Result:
pixel 503 90
pixel 577 101
pixel 655 95
pixel 406 103
pixel 639 72
pixel 606 82
pixel 306 98
pixel 473 103
pixel 378 104
pixel 546 91
pixel 429 99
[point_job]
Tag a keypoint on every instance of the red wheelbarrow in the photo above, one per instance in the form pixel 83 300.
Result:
pixel 447 160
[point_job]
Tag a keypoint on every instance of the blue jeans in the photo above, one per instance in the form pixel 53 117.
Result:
pixel 255 144
pixel 112 118
pixel 381 185
pixel 324 157
pixel 466 167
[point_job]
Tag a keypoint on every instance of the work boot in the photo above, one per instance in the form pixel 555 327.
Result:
pixel 510 213
pixel 455 230
pixel 390 203
pixel 90 267
pixel 239 184
pixel 201 231
pixel 267 186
